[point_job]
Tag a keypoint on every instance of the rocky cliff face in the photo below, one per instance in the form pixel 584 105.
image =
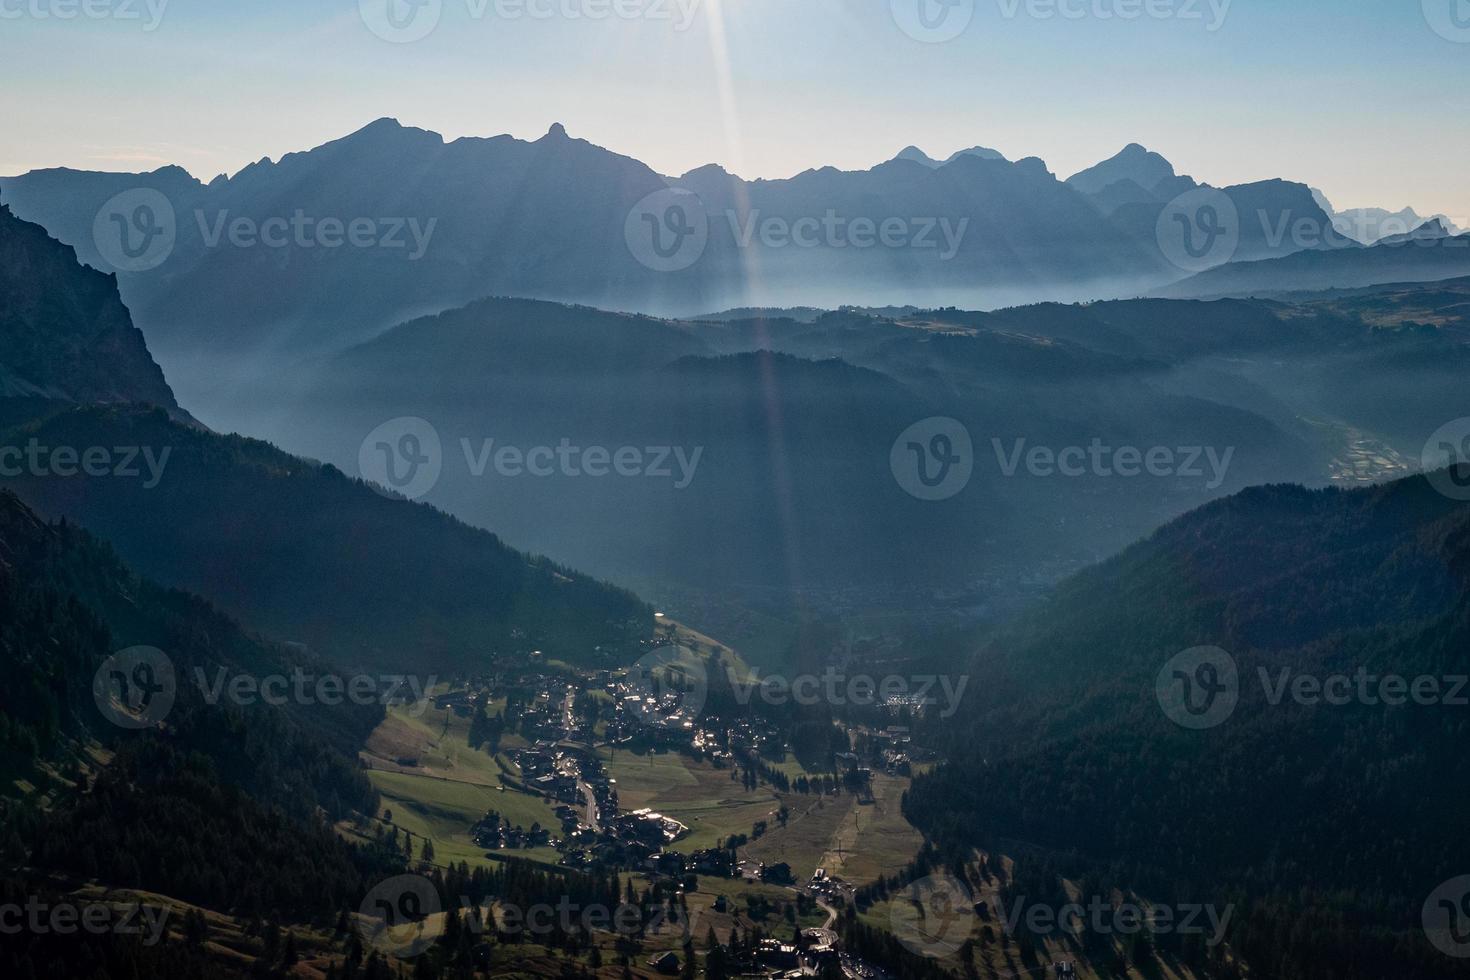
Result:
pixel 64 331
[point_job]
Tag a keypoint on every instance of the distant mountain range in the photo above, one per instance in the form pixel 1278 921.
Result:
pixel 1370 225
pixel 796 417
pixel 1426 254
pixel 434 225
pixel 919 156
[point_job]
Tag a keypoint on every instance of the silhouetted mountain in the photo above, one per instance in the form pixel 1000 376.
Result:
pixel 64 332
pixel 1066 746
pixel 325 248
pixel 919 156
pixel 1276 218
pixel 1413 260
pixel 973 222
pixel 1133 163
pixel 449 223
pixel 1371 225
pixel 1428 231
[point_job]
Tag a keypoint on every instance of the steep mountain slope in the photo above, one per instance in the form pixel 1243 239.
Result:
pixel 312 555
pixel 1066 744
pixel 284 543
pixel 64 332
pixel 221 803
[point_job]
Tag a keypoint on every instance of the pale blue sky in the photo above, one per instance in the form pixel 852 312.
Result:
pixel 1360 97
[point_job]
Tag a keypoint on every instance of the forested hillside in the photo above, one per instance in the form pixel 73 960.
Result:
pixel 1327 824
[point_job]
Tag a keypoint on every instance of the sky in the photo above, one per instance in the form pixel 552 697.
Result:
pixel 1365 99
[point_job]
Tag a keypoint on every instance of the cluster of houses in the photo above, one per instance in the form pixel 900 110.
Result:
pixel 493 834
pixel 828 887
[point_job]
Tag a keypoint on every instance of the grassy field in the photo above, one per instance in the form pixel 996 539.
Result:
pixel 874 840
pixel 696 794
pixel 443 811
pixel 450 788
pixel 793 768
